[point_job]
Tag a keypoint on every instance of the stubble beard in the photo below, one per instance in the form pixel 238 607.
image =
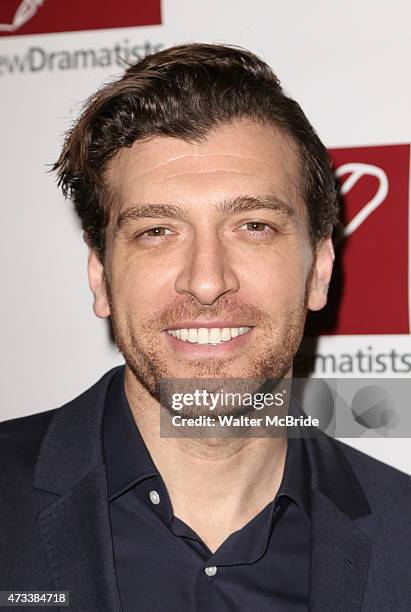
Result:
pixel 272 357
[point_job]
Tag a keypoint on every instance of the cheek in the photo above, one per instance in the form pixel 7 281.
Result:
pixel 277 293
pixel 274 281
pixel 139 290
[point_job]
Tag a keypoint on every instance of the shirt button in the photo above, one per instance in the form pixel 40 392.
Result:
pixel 154 498
pixel 211 571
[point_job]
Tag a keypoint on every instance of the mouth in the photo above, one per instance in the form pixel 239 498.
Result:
pixel 204 335
pixel 208 341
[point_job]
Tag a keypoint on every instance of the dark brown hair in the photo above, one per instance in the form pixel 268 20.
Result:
pixel 185 92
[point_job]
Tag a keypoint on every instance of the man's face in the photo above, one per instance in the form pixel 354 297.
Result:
pixel 210 236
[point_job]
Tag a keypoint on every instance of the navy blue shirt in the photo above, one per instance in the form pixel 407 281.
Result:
pixel 161 563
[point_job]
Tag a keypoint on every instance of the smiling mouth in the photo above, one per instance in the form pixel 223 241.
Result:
pixel 212 336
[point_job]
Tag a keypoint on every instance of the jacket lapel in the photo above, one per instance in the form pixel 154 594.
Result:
pixel 340 558
pixel 75 528
pixel 340 550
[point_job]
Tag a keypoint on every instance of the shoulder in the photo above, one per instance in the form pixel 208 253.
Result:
pixel 382 483
pixel 22 437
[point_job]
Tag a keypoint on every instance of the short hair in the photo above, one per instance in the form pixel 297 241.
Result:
pixel 185 92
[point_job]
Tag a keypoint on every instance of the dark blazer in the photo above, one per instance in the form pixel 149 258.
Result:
pixel 55 529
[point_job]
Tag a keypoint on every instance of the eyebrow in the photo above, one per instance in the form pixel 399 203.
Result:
pixel 229 206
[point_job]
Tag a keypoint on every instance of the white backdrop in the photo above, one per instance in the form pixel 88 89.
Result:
pixel 347 63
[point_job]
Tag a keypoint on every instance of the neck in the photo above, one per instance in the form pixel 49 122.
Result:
pixel 216 485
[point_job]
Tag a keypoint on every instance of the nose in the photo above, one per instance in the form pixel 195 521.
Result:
pixel 206 273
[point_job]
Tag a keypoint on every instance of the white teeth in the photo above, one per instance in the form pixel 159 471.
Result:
pixel 203 335
pixel 192 334
pixel 215 335
pixel 226 334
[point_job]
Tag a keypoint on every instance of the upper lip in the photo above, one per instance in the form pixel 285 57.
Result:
pixel 207 324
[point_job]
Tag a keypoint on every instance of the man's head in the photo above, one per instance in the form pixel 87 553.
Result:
pixel 201 142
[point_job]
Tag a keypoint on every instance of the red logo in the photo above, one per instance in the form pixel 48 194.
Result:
pixel 369 290
pixel 19 17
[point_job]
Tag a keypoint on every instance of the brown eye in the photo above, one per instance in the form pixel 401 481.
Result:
pixel 258 227
pixel 156 231
pixel 255 226
pixel 257 231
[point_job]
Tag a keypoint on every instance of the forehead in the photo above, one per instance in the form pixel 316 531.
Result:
pixel 240 158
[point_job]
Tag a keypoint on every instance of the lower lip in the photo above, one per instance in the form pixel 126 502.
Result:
pixel 194 349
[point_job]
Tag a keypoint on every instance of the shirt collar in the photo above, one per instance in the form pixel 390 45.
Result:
pixel 126 455
pixel 128 460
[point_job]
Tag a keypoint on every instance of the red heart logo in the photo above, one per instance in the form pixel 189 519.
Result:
pixel 355 172
pixel 15 13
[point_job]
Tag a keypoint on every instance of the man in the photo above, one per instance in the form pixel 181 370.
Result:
pixel 207 202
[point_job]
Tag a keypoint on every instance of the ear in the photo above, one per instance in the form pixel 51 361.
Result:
pixel 97 284
pixel 321 274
